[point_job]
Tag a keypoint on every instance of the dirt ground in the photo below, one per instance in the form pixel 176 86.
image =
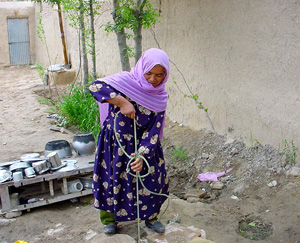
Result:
pixel 243 209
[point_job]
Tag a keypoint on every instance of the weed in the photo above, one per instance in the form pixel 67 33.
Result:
pixel 290 151
pixel 44 101
pixel 80 109
pixel 179 153
pixel 253 141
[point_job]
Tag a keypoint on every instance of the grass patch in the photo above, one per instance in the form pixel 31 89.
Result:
pixel 179 153
pixel 78 108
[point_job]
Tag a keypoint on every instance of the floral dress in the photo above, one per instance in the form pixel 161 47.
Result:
pixel 114 189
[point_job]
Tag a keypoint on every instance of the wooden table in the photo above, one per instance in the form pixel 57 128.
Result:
pixel 49 195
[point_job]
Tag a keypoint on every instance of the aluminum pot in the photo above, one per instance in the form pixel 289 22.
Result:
pixel 41 166
pixel 62 147
pixel 84 143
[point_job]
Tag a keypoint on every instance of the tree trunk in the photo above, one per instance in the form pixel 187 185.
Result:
pixel 121 38
pixel 138 31
pixel 93 51
pixel 62 34
pixel 83 45
pixel 138 43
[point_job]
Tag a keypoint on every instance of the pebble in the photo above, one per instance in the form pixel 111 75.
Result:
pixel 4 222
pixel 234 197
pixel 205 155
pixel 217 185
pixel 13 214
pixel 229 141
pixel 117 238
pixel 294 171
pixel 197 193
pixel 272 184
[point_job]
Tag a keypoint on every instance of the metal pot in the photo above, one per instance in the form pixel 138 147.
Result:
pixel 41 166
pixel 62 147
pixel 84 143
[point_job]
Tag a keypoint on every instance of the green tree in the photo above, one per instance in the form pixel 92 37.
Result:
pixel 131 16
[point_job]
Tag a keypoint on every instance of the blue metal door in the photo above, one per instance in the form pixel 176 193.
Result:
pixel 18 39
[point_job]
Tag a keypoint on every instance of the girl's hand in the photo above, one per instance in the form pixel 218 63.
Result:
pixel 136 165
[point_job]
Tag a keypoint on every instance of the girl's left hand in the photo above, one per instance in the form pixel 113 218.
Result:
pixel 136 165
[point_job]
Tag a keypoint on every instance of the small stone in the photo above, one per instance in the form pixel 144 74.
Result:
pixel 13 214
pixel 205 155
pixel 181 125
pixel 294 171
pixel 217 185
pixel 234 197
pixel 234 151
pixel 4 222
pixel 197 193
pixel 4 143
pixel 174 121
pixel 229 141
pixel 272 184
pixel 192 200
pixel 200 240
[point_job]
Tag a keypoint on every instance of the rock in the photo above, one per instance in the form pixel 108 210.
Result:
pixel 272 184
pixel 234 151
pixel 193 199
pixel 200 240
pixel 197 193
pixel 4 222
pixel 294 171
pixel 217 185
pixel 181 125
pixel 205 155
pixel 234 197
pixel 90 234
pixel 229 141
pixel 117 238
pixel 13 214
pixel 175 233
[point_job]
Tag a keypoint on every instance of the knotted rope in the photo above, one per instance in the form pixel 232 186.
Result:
pixel 137 174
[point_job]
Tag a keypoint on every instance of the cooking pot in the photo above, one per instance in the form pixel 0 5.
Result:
pixel 62 147
pixel 5 175
pixel 54 159
pixel 29 172
pixel 18 166
pixel 84 143
pixel 41 166
pixel 27 157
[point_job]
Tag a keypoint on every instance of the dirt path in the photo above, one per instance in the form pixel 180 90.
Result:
pixel 245 195
pixel 24 127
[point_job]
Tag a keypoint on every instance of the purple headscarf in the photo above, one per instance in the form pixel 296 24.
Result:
pixel 134 85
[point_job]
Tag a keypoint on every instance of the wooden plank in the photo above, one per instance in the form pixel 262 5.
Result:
pixel 32 180
pixel 53 200
pixel 65 186
pixel 5 198
pixel 51 188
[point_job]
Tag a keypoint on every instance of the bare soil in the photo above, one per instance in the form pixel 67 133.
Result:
pixel 246 209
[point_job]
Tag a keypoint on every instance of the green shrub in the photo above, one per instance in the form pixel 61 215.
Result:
pixel 179 153
pixel 78 108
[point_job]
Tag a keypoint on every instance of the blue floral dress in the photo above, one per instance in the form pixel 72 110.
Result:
pixel 113 188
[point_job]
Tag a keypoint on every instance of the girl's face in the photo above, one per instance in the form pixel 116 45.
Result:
pixel 155 76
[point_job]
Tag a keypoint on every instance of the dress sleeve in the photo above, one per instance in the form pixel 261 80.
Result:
pixel 150 138
pixel 102 91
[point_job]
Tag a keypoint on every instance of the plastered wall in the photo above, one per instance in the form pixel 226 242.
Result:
pixel 240 56
pixel 15 10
